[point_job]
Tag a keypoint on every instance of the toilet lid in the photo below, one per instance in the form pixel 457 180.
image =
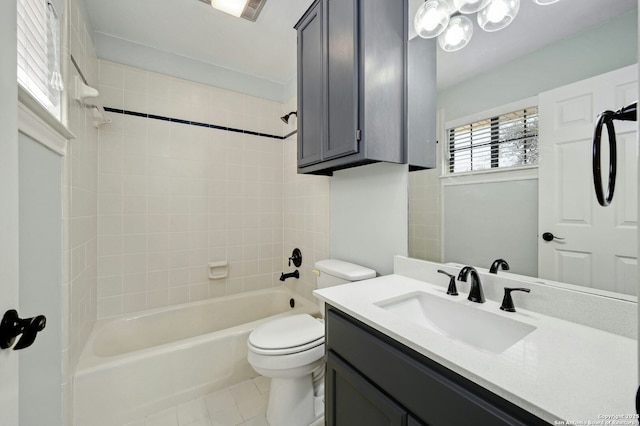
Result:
pixel 291 331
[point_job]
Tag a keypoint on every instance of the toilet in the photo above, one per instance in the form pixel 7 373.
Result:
pixel 290 351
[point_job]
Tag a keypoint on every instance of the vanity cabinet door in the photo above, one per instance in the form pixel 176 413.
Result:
pixel 432 393
pixel 310 87
pixel 341 73
pixel 352 400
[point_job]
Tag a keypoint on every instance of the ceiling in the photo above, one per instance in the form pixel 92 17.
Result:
pixel 266 49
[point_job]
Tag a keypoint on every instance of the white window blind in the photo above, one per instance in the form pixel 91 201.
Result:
pixel 38 52
pixel 506 140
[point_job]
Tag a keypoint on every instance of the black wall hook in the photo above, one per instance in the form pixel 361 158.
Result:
pixel 12 326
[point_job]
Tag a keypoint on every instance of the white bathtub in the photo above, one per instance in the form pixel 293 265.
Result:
pixel 140 364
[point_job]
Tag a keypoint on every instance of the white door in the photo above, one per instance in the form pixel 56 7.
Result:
pixel 8 206
pixel 598 248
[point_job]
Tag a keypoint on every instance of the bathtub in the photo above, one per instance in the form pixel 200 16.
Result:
pixel 139 364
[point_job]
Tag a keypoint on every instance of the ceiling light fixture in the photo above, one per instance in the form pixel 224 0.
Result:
pixel 247 9
pixel 232 7
pixel 446 19
pixel 470 6
pixel 457 34
pixel 498 14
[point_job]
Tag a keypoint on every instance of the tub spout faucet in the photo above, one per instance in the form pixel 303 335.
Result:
pixel 294 274
pixel 475 292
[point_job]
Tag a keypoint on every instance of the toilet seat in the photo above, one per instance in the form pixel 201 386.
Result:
pixel 288 335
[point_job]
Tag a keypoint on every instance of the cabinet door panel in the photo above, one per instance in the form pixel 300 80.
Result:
pixel 341 70
pixel 355 401
pixel 310 88
pixel 431 392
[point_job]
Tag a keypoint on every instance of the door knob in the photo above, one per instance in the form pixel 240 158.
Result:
pixel 11 326
pixel 548 236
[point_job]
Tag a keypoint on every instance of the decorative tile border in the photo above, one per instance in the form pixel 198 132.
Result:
pixel 196 123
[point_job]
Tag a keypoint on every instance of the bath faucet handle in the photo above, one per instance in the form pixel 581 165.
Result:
pixel 451 290
pixel 507 301
pixel 296 257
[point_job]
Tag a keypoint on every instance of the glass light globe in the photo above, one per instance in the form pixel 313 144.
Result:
pixel 545 2
pixel 470 6
pixel 457 35
pixel 232 7
pixel 498 14
pixel 431 18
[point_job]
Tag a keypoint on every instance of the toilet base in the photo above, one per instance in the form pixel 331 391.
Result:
pixel 293 403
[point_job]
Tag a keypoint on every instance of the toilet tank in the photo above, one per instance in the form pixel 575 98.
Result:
pixel 334 272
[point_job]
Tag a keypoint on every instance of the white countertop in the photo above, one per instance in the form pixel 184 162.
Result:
pixel 561 372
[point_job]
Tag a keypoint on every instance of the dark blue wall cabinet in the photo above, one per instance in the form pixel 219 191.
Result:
pixel 371 376
pixel 365 93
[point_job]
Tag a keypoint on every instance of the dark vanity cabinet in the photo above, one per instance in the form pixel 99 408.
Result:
pixel 359 101
pixel 374 380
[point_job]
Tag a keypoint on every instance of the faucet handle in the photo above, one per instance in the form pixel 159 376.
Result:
pixel 507 301
pixel 296 257
pixel 451 290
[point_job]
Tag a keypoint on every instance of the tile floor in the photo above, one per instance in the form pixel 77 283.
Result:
pixel 243 404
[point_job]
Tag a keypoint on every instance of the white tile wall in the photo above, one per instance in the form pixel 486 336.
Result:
pixel 305 215
pixel 425 233
pixel 149 203
pixel 79 209
pixel 425 207
pixel 173 197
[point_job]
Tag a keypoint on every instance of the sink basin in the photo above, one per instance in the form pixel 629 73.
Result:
pixel 458 320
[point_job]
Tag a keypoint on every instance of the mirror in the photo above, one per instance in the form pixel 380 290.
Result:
pixel 477 219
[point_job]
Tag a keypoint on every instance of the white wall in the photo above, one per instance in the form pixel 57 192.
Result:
pixel 369 210
pixel 584 55
pixel 40 281
pixel 9 195
pixel 489 221
pixel 606 47
pixel 137 55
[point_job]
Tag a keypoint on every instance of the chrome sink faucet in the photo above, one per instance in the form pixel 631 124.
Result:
pixel 475 292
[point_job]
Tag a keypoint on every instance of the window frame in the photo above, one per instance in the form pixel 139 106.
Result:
pixel 491 174
pixel 47 57
pixel 499 141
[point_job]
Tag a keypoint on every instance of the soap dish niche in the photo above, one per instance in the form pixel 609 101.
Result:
pixel 218 270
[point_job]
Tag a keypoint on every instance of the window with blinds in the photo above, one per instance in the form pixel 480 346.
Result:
pixel 39 52
pixel 507 140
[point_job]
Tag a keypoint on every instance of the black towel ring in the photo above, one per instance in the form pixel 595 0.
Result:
pixel 606 118
pixel 627 113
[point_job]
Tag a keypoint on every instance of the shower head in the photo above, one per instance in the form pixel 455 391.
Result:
pixel 285 117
